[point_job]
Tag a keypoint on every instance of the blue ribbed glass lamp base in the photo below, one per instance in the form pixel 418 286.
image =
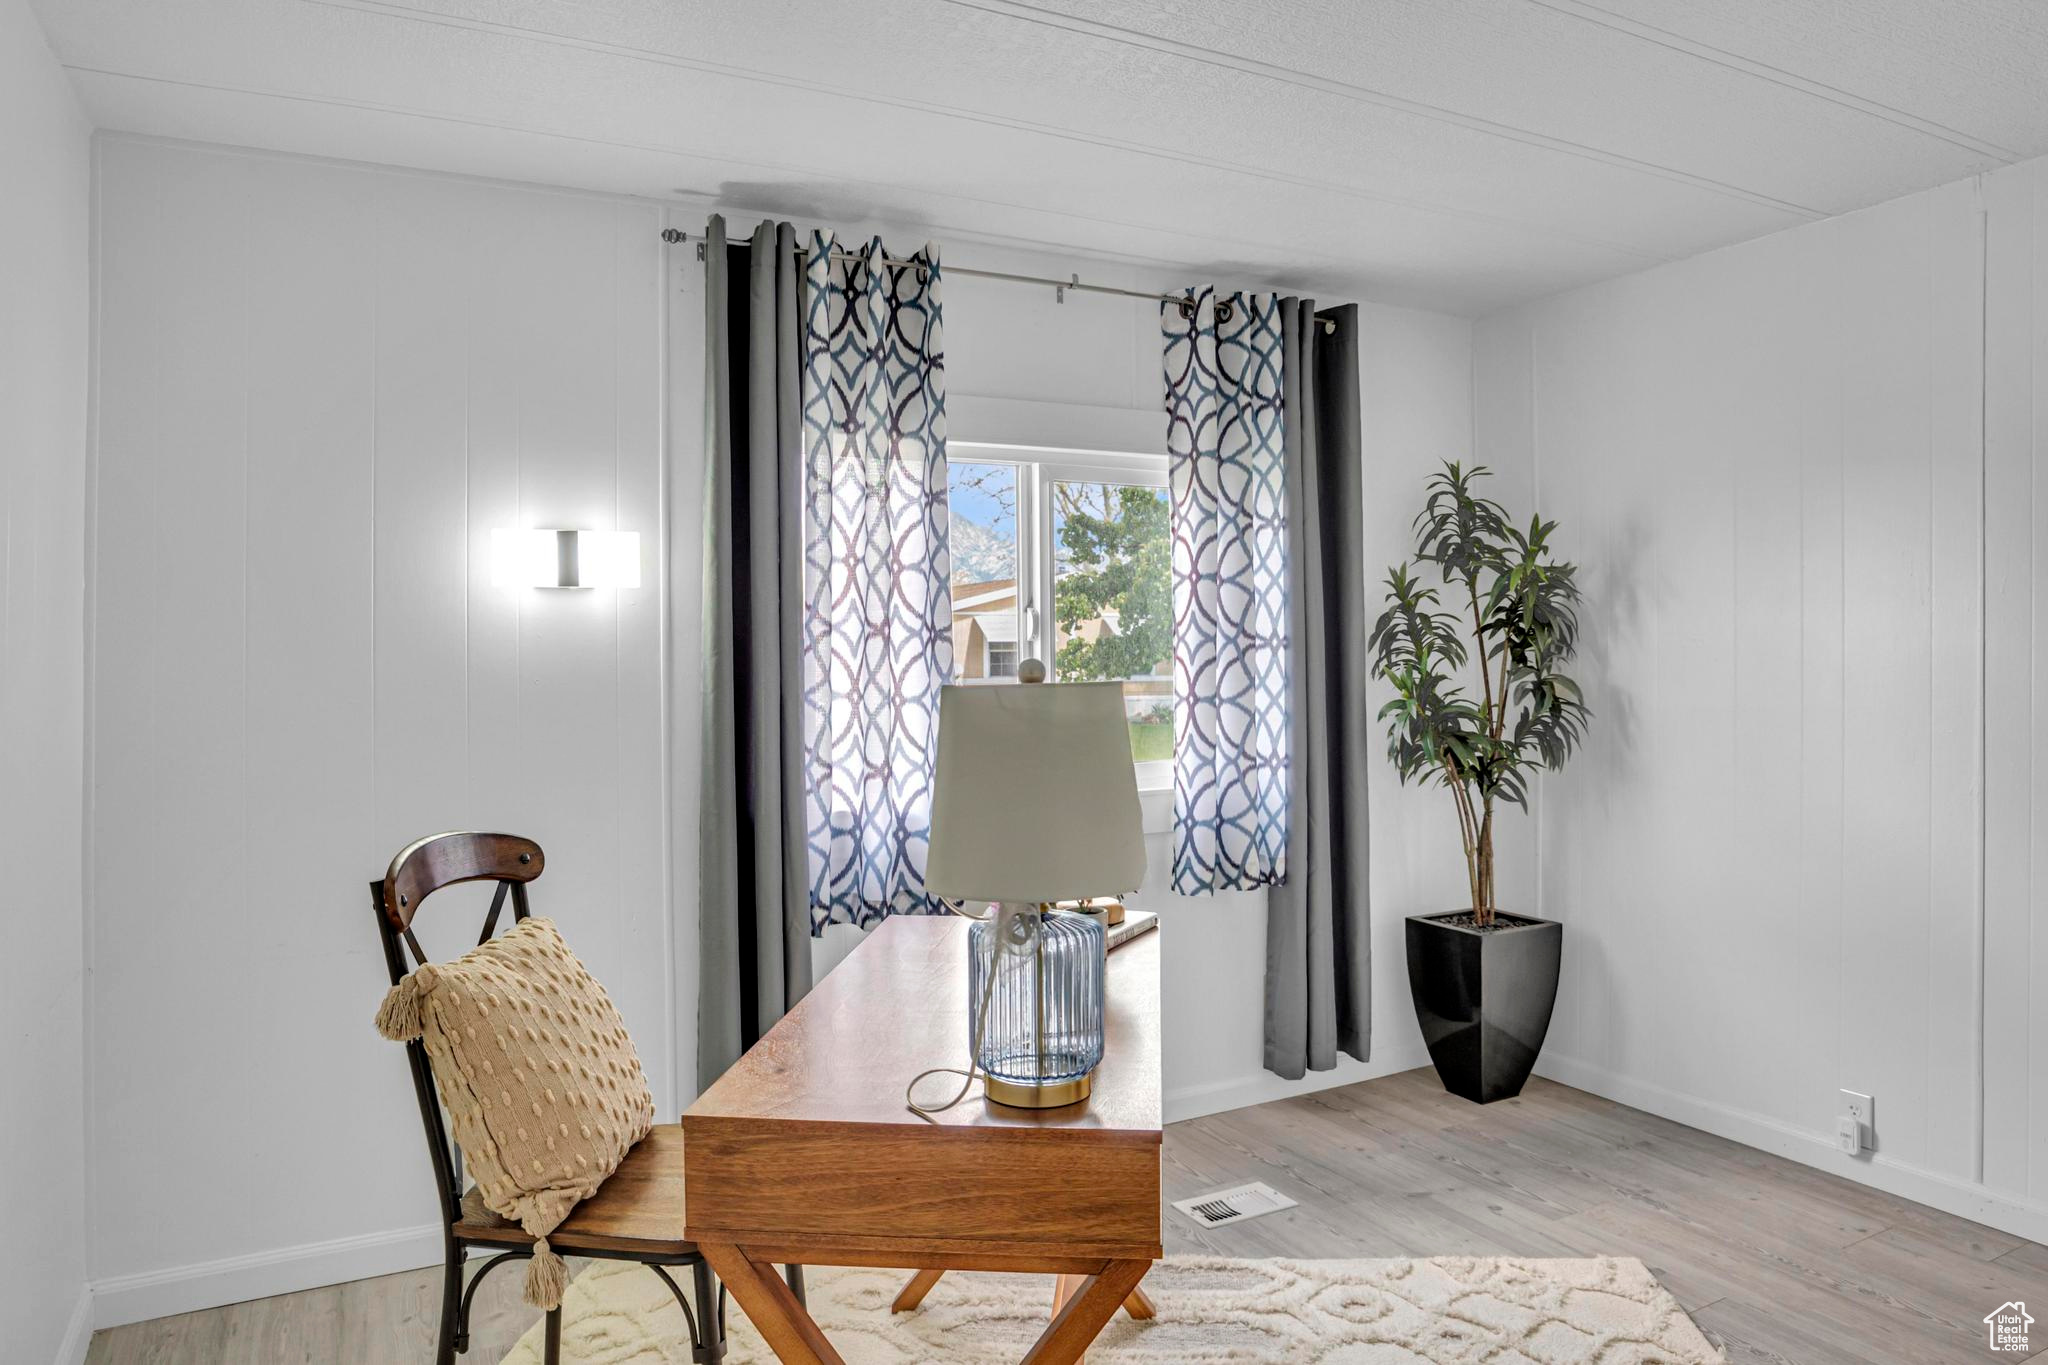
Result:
pixel 1038 1036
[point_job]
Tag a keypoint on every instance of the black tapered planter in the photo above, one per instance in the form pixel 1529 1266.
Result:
pixel 1483 998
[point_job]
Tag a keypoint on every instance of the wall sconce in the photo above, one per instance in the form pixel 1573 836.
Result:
pixel 565 559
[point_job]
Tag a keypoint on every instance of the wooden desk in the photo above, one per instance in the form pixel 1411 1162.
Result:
pixel 803 1151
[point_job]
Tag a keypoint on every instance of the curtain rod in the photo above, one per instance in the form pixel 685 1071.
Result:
pixel 676 236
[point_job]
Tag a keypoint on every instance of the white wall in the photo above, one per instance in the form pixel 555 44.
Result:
pixel 45 306
pixel 1771 463
pixel 320 387
pixel 2015 714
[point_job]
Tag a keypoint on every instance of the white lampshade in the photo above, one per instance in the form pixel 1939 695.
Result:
pixel 1036 798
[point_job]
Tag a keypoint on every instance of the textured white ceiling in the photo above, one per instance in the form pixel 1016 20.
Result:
pixel 1459 154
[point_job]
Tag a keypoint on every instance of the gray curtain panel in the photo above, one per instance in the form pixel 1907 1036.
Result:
pixel 1318 930
pixel 753 882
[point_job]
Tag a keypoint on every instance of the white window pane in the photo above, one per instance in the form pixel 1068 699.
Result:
pixel 1113 601
pixel 982 499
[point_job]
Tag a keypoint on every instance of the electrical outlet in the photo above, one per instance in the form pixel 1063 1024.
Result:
pixel 1857 1126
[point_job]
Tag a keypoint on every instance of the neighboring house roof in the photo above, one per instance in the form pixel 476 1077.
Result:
pixel 999 626
pixel 979 597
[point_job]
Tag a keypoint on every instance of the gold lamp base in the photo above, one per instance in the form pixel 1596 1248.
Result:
pixel 1050 1096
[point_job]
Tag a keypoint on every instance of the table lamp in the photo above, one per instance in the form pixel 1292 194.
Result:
pixel 1035 800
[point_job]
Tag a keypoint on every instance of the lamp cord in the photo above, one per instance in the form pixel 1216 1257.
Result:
pixel 927 1111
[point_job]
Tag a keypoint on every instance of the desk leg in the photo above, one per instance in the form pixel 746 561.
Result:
pixel 913 1293
pixel 1083 1316
pixel 782 1321
pixel 1064 1287
pixel 1138 1305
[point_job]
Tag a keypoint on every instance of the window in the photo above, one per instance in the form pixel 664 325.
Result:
pixel 982 501
pixel 1066 556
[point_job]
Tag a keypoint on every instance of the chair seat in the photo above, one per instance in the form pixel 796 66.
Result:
pixel 638 1210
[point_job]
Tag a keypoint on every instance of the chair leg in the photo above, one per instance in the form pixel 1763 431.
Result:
pixel 794 1274
pixel 451 1303
pixel 551 1352
pixel 711 1349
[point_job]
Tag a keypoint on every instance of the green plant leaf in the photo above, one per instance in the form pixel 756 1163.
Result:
pixel 1519 616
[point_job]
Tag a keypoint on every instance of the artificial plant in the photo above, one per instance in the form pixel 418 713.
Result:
pixel 1506 603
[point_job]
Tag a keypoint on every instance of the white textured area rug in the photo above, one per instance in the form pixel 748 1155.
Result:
pixel 1450 1310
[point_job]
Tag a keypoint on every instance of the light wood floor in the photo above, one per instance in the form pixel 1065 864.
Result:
pixel 1777 1262
pixel 1774 1260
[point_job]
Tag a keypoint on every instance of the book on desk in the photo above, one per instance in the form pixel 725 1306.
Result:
pixel 1135 923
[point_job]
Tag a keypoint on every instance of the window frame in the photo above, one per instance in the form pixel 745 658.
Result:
pixel 1038 469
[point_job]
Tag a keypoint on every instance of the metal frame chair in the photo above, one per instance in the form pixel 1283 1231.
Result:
pixel 420 869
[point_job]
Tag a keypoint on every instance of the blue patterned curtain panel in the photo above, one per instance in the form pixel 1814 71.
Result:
pixel 1227 476
pixel 877 624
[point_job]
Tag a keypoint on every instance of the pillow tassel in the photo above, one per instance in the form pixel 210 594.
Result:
pixel 547 1276
pixel 399 1018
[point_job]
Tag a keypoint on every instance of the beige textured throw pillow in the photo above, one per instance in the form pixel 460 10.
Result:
pixel 541 1084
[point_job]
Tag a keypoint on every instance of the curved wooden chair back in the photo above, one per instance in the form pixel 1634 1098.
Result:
pixel 420 869
pixel 426 865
